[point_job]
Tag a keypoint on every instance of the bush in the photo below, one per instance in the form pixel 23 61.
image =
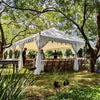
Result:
pixel 5 55
pixel 49 53
pixel 68 53
pixel 59 52
pixel 17 54
pixel 10 53
pixel 31 53
pixel 79 53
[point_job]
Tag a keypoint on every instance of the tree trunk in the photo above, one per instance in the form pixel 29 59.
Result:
pixel 91 67
pixel 92 59
pixel 3 40
pixel 1 53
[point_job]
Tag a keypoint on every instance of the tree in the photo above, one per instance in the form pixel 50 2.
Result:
pixel 86 9
pixel 17 23
pixel 78 13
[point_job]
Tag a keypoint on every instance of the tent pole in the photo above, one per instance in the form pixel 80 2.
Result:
pixel 13 52
pixel 76 47
pixel 38 58
pixel 3 54
pixel 8 53
pixel 63 52
pixel 20 57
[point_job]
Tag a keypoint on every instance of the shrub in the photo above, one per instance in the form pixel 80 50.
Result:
pixel 68 53
pixel 49 53
pixel 31 53
pixel 59 52
pixel 79 53
pixel 17 54
pixel 10 54
pixel 5 55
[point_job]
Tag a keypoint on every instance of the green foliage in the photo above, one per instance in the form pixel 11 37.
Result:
pixel 5 55
pixel 68 53
pixel 27 18
pixel 17 54
pixel 59 52
pixel 17 20
pixel 49 53
pixel 13 87
pixel 86 53
pixel 89 93
pixel 31 53
pixel 10 53
pixel 35 16
pixel 98 64
pixel 80 53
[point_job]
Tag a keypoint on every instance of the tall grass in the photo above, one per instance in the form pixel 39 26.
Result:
pixel 13 86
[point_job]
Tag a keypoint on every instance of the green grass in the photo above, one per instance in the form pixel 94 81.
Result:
pixel 42 86
pixel 80 93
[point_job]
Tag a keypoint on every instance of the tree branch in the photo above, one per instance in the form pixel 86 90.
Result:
pixel 84 20
pixel 1 11
pixel 7 23
pixel 53 9
pixel 19 7
pixel 84 17
pixel 80 29
pixel 28 9
pixel 98 56
pixel 14 38
pixel 43 11
pixel 19 34
pixel 69 19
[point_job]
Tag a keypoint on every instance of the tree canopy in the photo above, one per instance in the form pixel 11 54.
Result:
pixel 78 17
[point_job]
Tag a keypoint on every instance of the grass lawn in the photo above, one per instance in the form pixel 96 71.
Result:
pixel 42 86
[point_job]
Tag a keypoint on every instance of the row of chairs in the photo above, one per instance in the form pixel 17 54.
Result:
pixel 60 59
pixel 60 65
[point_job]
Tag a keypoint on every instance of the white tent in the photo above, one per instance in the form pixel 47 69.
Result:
pixel 50 39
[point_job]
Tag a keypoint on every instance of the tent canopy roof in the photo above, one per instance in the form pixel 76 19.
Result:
pixel 54 33
pixel 56 40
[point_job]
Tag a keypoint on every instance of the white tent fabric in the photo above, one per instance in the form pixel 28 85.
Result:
pixel 56 39
pixel 50 39
pixel 20 57
pixel 40 43
pixel 76 49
